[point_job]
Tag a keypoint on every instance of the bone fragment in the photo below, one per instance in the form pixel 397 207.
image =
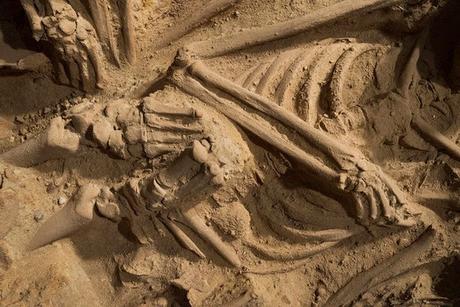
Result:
pixel 291 252
pixel 407 78
pixel 76 214
pixel 102 21
pixel 196 19
pixel 127 17
pixel 436 138
pixel 55 143
pixel 395 265
pixel 343 9
pixel 198 225
pixel 34 18
pixel 180 235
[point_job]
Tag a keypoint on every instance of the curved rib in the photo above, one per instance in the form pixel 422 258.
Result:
pixel 293 76
pixel 254 76
pixel 275 71
pixel 340 75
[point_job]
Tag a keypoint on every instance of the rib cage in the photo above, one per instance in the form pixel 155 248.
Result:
pixel 323 79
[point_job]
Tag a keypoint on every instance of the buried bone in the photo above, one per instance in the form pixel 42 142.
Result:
pixel 373 180
pixel 289 28
pixel 74 216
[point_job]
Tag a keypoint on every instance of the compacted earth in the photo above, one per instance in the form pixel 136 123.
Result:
pixel 229 153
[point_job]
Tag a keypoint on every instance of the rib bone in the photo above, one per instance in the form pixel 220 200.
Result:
pixel 392 266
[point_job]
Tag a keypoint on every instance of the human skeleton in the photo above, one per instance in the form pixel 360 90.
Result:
pixel 278 102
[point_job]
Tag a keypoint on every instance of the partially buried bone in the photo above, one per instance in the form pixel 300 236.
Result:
pixel 188 180
pixel 195 20
pixel 57 142
pixel 74 216
pixel 395 265
pixel 196 223
pixel 289 28
pixel 363 180
pixel 36 62
pixel 103 24
pixel 127 16
pixel 74 40
pixel 149 129
pixel 180 235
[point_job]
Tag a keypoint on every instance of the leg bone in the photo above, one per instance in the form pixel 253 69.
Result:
pixel 128 30
pixel 76 214
pixel 211 9
pixel 55 143
pixel 289 28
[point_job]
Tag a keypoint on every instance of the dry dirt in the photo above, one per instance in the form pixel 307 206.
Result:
pixel 266 228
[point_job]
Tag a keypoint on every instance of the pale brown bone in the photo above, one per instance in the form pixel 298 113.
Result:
pixel 436 138
pixel 102 20
pixel 320 17
pixel 365 182
pixel 127 16
pixel 198 225
pixel 327 144
pixel 74 40
pixel 34 18
pixel 180 235
pixel 395 265
pixel 259 128
pixel 193 21
pixel 74 216
pixel 406 81
pixel 57 142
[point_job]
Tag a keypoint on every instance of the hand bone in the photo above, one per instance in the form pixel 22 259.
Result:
pixel 376 197
pixel 196 172
pixel 74 40
pixel 167 127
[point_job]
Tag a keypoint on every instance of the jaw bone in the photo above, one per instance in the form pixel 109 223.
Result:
pixel 76 214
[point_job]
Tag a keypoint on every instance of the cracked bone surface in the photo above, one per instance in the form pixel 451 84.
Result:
pixel 288 143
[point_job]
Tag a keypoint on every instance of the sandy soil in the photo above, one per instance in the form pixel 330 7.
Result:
pixel 263 229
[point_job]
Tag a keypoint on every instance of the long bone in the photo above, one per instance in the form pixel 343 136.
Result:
pixel 55 143
pixel 289 28
pixel 197 224
pixel 257 127
pixel 345 156
pixel 127 16
pixel 322 141
pixel 196 19
pixel 378 190
pixel 102 20
pixel 180 235
pixel 406 81
pixel 76 214
pixel 395 265
pixel 34 19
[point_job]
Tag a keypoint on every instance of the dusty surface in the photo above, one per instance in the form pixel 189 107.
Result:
pixel 259 227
